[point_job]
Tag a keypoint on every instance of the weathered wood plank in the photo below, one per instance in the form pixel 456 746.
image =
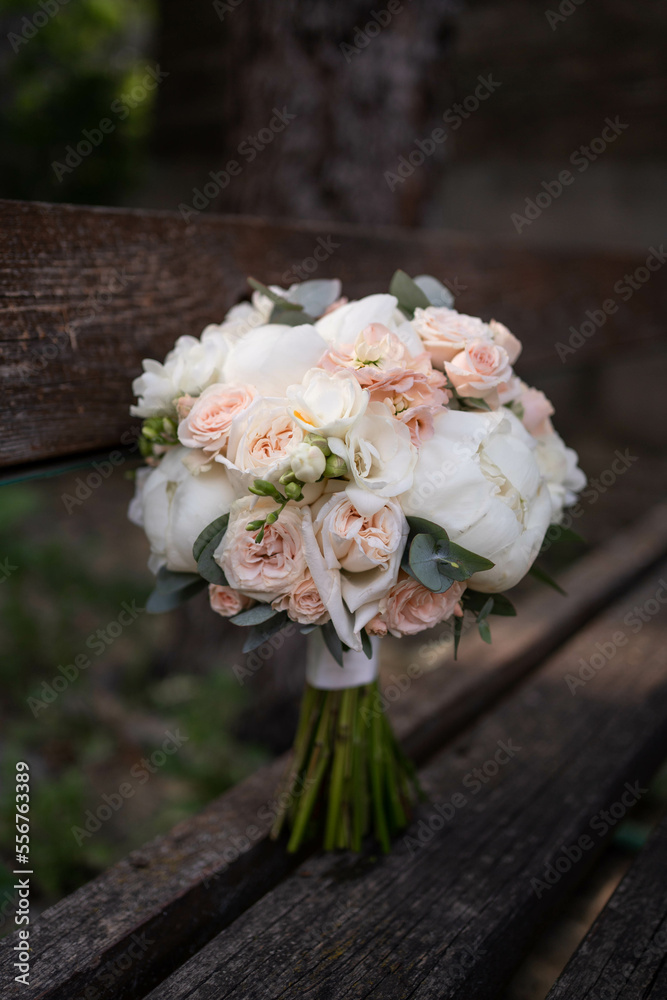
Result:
pixel 527 799
pixel 86 293
pixel 623 955
pixel 182 888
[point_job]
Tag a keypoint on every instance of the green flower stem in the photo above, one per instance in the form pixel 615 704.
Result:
pixel 348 777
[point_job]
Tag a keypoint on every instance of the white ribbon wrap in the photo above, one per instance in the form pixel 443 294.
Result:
pixel 322 670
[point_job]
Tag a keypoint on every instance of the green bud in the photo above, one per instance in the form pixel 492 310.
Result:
pixel 293 491
pixel 287 477
pixel 149 432
pixel 319 441
pixel 335 467
pixel 254 525
pixel 263 488
pixel 260 535
pixel 272 517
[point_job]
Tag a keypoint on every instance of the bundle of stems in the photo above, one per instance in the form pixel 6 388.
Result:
pixel 347 776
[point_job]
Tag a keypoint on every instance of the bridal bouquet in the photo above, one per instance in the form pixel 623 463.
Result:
pixel 358 468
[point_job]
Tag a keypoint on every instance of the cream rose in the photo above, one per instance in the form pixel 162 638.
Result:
pixel 559 466
pixel 261 441
pixel 268 569
pixel 410 607
pixel 379 452
pixel 479 371
pixel 329 403
pixel 303 604
pixel 209 419
pixel 174 506
pixel 228 602
pixel 505 338
pixel 356 541
pixel 445 332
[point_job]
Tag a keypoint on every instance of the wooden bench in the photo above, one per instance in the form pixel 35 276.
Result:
pixel 521 762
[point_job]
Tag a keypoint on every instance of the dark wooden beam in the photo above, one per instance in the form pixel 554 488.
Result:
pixel 86 293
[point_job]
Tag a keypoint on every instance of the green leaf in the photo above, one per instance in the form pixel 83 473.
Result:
pixel 254 616
pixel 212 530
pixel 473 403
pixel 274 296
pixel 172 589
pixel 317 295
pixel 259 634
pixel 485 609
pixel 543 576
pixel 434 290
pixel 366 644
pixel 473 600
pixel 307 629
pixel 458 632
pixel 425 564
pixel 484 630
pixel 332 642
pixel 409 294
pixel 287 317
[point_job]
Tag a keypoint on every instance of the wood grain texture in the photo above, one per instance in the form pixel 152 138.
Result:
pixel 624 955
pixel 176 892
pixel 86 293
pixel 448 914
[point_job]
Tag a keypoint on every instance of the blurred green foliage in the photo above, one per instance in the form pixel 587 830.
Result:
pixel 63 76
pixel 57 589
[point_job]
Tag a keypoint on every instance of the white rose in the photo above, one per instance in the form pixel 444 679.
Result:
pixel 445 332
pixel 273 357
pixel 174 506
pixel 308 462
pixel 379 452
pixel 478 478
pixel 189 368
pixel 558 465
pixel 329 403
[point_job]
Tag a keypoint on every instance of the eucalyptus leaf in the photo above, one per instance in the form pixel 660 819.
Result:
pixel 212 530
pixel 425 564
pixel 259 634
pixel 274 296
pixel 484 630
pixel 333 642
pixel 409 295
pixel 434 290
pixel 316 296
pixel 172 589
pixel 307 629
pixel 542 575
pixel 287 317
pixel 254 616
pixel 435 561
pixel 473 600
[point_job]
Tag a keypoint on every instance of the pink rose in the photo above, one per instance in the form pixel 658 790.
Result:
pixel 505 338
pixel 359 542
pixel 480 371
pixel 208 420
pixel 445 332
pixel 228 602
pixel 267 569
pixel 303 604
pixel 377 626
pixel 536 411
pixel 262 439
pixel 410 607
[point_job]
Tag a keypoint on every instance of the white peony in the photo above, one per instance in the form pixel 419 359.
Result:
pixel 329 403
pixel 479 479
pixel 273 357
pixel 174 506
pixel 189 368
pixel 558 465
pixel 344 324
pixel 379 452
